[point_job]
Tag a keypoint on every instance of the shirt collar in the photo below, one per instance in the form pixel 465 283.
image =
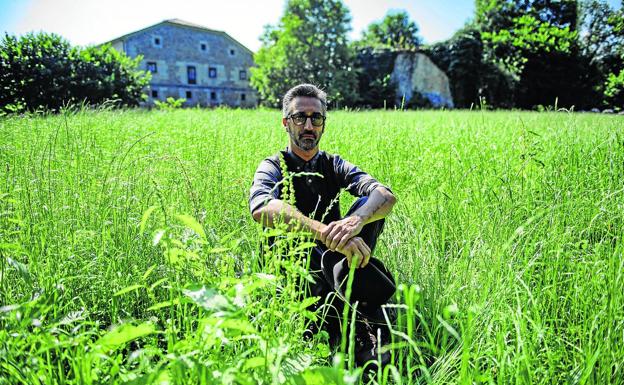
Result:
pixel 300 164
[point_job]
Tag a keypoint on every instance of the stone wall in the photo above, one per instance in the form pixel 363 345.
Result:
pixel 174 48
pixel 415 73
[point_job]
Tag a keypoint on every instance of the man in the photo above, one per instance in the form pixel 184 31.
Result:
pixel 350 239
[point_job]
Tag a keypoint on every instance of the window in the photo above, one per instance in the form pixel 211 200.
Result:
pixel 151 67
pixel 213 95
pixel 212 72
pixel 189 95
pixel 242 75
pixel 243 97
pixel 232 52
pixel 157 41
pixel 155 94
pixel 191 75
pixel 203 46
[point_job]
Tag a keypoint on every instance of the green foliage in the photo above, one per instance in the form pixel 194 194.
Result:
pixel 507 249
pixel 471 78
pixel 497 15
pixel 170 104
pixel 536 44
pixel 395 31
pixel 602 37
pixel 375 87
pixel 309 45
pixel 42 71
pixel 602 43
pixel 614 90
pixel 526 38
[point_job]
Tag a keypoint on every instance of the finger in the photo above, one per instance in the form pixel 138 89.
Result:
pixel 366 258
pixel 331 236
pixel 336 239
pixel 362 254
pixel 368 250
pixel 343 241
pixel 326 231
pixel 365 250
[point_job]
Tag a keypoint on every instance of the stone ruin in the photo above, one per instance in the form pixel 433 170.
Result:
pixel 414 73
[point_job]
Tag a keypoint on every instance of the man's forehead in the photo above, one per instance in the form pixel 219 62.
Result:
pixel 305 104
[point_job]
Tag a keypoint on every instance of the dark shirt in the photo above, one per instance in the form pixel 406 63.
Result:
pixel 316 196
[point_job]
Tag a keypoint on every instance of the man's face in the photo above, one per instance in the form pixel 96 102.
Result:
pixel 306 136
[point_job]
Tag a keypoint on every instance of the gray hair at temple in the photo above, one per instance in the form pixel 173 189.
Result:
pixel 309 90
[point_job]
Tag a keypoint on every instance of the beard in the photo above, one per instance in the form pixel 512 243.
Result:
pixel 305 144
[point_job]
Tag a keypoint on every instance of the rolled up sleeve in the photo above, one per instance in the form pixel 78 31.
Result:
pixel 353 179
pixel 265 185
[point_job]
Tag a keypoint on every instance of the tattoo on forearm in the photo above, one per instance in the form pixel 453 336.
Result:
pixel 373 210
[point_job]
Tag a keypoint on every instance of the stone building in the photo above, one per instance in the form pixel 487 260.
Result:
pixel 204 66
pixel 415 72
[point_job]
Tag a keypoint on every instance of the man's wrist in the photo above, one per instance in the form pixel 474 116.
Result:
pixel 317 228
pixel 360 218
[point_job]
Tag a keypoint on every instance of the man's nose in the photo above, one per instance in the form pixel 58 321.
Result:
pixel 308 123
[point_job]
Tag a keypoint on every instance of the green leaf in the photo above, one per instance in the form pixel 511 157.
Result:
pixel 192 224
pixel 145 217
pixel 209 299
pixel 240 325
pixel 305 246
pixel 254 362
pixel 127 289
pixel 124 334
pixel 160 305
pixel 317 376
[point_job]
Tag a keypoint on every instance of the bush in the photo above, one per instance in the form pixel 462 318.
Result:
pixel 374 69
pixel 43 71
pixel 472 78
pixel 614 90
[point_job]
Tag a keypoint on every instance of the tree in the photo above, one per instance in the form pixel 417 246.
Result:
pixel 374 69
pixel 496 15
pixel 395 31
pixel 536 43
pixel 602 43
pixel 308 45
pixel 42 71
pixel 470 77
pixel 601 36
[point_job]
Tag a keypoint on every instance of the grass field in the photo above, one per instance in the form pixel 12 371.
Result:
pixel 128 255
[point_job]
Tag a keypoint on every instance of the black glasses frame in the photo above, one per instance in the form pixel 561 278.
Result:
pixel 300 118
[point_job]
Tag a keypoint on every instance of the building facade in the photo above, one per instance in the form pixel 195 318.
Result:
pixel 203 66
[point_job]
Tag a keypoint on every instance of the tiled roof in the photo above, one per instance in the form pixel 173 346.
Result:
pixel 181 23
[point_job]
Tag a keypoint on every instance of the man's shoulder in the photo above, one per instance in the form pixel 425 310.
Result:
pixel 336 160
pixel 330 157
pixel 270 165
pixel 273 159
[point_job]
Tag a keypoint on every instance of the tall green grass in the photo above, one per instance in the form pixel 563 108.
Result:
pixel 128 255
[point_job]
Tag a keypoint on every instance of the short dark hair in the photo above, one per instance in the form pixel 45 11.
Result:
pixel 309 90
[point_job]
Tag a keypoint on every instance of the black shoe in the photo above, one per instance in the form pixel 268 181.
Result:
pixel 367 346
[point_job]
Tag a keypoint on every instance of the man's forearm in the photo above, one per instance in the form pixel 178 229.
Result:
pixel 278 209
pixel 378 205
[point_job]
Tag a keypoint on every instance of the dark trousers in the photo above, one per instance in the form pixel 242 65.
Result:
pixel 329 308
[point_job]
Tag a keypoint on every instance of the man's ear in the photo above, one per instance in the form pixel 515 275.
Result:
pixel 285 123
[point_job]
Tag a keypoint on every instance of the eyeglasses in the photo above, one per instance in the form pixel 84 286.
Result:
pixel 300 118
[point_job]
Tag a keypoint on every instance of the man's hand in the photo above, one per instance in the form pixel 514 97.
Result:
pixel 336 235
pixel 356 251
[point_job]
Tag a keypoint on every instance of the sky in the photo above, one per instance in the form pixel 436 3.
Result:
pixel 85 22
